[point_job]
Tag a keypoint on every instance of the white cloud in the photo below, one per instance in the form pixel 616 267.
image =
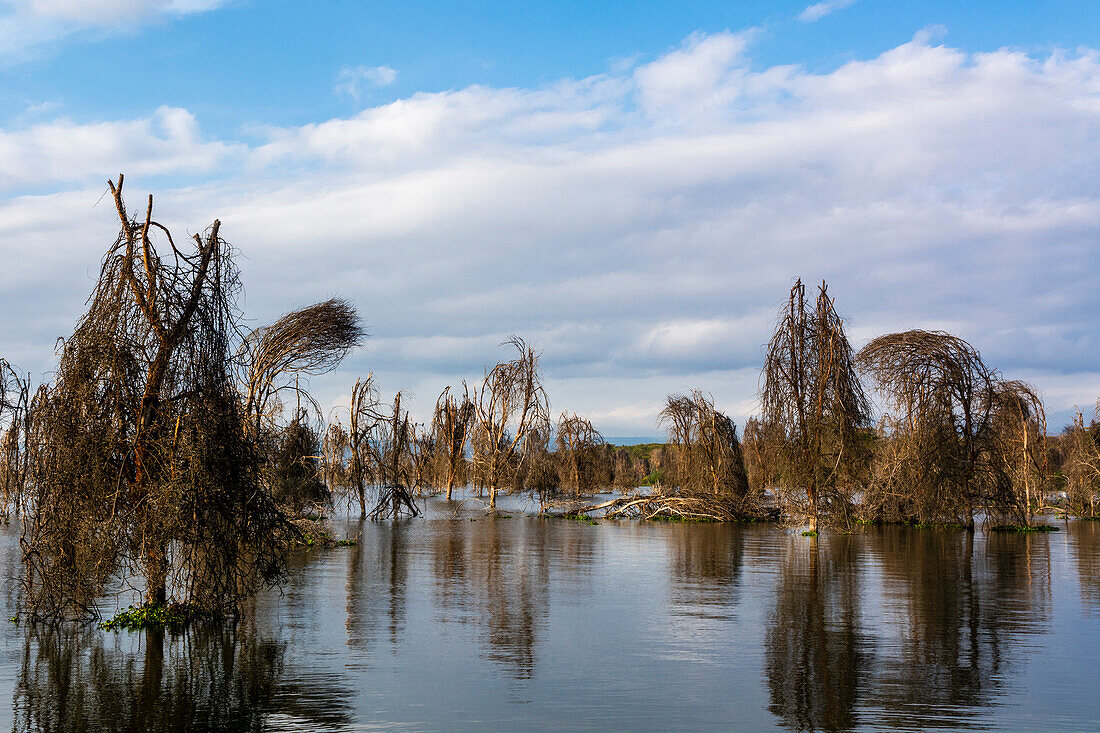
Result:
pixel 351 79
pixel 28 25
pixel 642 227
pixel 817 11
pixel 168 141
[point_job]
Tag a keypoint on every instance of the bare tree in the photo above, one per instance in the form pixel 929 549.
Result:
pixel 390 448
pixel 707 454
pixel 814 408
pixel 16 420
pixel 510 404
pixel 1081 468
pixel 578 448
pixel 943 396
pixel 1020 469
pixel 364 422
pixel 143 466
pixel 308 341
pixel 452 422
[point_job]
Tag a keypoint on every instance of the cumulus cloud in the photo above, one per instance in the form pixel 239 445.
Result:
pixel 61 151
pixel 351 79
pixel 642 226
pixel 26 25
pixel 817 11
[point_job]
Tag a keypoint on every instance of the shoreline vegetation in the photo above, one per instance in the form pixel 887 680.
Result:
pixel 177 451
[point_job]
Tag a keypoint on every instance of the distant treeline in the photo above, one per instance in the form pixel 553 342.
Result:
pixel 175 446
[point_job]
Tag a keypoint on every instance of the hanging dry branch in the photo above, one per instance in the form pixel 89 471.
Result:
pixel 509 407
pixel 814 410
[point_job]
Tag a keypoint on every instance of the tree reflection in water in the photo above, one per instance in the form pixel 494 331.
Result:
pixel 962 606
pixel 892 627
pixel 378 582
pixel 963 600
pixel 706 563
pixel 77 679
pixel 495 574
pixel 1084 543
pixel 816 656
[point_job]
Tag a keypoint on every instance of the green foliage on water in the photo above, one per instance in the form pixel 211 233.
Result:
pixel 810 533
pixel 1024 528
pixel 347 542
pixel 152 615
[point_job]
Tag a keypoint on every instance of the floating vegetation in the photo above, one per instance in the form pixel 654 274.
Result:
pixel 154 615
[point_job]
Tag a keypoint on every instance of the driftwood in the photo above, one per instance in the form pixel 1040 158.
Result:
pixel 655 505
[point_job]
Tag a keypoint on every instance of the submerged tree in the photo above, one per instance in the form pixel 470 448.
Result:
pixel 706 452
pixel 16 420
pixel 143 464
pixel 364 420
pixel 814 410
pixel 1019 470
pixel 579 454
pixel 451 424
pixel 510 405
pixel 960 438
pixel 390 449
pixel 293 469
pixel 1081 468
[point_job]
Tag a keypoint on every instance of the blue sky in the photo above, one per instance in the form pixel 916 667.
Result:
pixel 248 62
pixel 631 186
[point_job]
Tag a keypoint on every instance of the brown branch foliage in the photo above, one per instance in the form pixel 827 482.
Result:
pixel 814 411
pixel 510 407
pixel 143 469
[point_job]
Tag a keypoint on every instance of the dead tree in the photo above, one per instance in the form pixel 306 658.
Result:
pixel 510 404
pixel 578 447
pixel 390 447
pixel 420 455
pixel 1020 469
pixel 142 463
pixel 707 454
pixel 334 452
pixel 308 341
pixel 814 410
pixel 363 423
pixel 452 422
pixel 1081 469
pixel 942 396
pixel 16 419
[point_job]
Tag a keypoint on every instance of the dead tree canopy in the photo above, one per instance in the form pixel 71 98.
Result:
pixel 707 455
pixel 510 405
pixel 391 448
pixel 1081 466
pixel 814 409
pixel 962 438
pixel 452 422
pixel 309 341
pixel 144 467
pixel 579 452
pixel 16 420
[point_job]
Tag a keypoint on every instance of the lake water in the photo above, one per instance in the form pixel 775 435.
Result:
pixel 444 623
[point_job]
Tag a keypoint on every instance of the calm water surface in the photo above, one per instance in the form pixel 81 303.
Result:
pixel 519 623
